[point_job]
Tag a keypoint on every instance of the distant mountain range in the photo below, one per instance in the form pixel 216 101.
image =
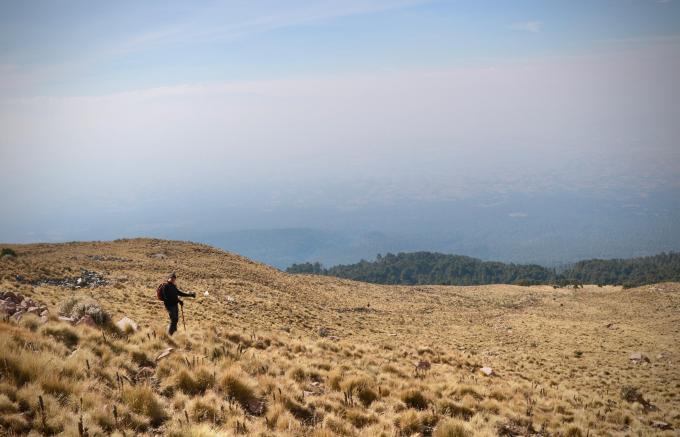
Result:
pixel 549 230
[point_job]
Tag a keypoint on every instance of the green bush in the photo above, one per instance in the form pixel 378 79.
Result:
pixel 7 251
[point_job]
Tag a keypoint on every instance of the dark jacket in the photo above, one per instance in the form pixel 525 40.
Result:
pixel 171 294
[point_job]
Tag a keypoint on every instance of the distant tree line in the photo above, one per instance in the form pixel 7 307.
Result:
pixel 421 268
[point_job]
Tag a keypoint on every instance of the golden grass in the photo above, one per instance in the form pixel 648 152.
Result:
pixel 252 362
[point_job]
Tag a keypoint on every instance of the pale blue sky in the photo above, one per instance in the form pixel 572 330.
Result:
pixel 86 48
pixel 263 109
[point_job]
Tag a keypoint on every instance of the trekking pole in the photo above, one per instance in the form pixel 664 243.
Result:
pixel 183 321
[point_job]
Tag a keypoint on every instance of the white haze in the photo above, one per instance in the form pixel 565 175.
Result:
pixel 598 123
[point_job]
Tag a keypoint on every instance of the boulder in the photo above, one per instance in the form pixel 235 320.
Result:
pixel 33 310
pixel 18 315
pixel 127 323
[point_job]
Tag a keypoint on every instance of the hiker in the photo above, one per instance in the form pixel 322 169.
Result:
pixel 170 297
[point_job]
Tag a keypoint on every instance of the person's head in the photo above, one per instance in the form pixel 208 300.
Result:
pixel 172 277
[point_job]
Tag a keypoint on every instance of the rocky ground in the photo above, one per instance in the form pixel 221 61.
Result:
pixel 267 353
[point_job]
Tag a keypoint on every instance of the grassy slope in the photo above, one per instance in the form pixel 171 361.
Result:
pixel 254 343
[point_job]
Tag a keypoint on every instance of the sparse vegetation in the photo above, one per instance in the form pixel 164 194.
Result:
pixel 77 307
pixel 256 365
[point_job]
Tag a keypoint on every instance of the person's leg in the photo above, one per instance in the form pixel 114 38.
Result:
pixel 174 318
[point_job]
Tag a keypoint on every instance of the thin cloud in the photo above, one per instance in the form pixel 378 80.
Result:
pixel 291 17
pixel 528 26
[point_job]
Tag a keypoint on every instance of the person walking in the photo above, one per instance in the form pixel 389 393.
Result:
pixel 169 294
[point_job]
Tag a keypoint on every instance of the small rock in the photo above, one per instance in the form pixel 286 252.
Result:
pixel 164 354
pixel 127 323
pixel 662 356
pixel 44 313
pixel 33 310
pixel 159 256
pixel 324 332
pixel 488 371
pixel 86 320
pixel 206 294
pixel 658 424
pixel 66 319
pixel 639 357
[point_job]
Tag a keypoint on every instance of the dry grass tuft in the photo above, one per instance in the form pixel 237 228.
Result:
pixel 142 400
pixel 452 428
pixel 414 398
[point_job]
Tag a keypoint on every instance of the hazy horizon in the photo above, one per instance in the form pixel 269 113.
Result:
pixel 541 133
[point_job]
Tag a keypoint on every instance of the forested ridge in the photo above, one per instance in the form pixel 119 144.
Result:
pixel 420 268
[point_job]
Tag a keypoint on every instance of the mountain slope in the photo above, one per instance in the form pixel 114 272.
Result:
pixel 268 353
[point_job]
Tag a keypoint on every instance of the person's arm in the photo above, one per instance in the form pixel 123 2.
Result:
pixel 183 294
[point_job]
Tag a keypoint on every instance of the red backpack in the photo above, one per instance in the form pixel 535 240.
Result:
pixel 159 292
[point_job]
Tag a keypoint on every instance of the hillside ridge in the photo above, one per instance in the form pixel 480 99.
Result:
pixel 271 353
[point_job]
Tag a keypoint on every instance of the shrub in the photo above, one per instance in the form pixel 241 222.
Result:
pixel 142 400
pixel 76 308
pixel 7 251
pixel 452 428
pixel 414 398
